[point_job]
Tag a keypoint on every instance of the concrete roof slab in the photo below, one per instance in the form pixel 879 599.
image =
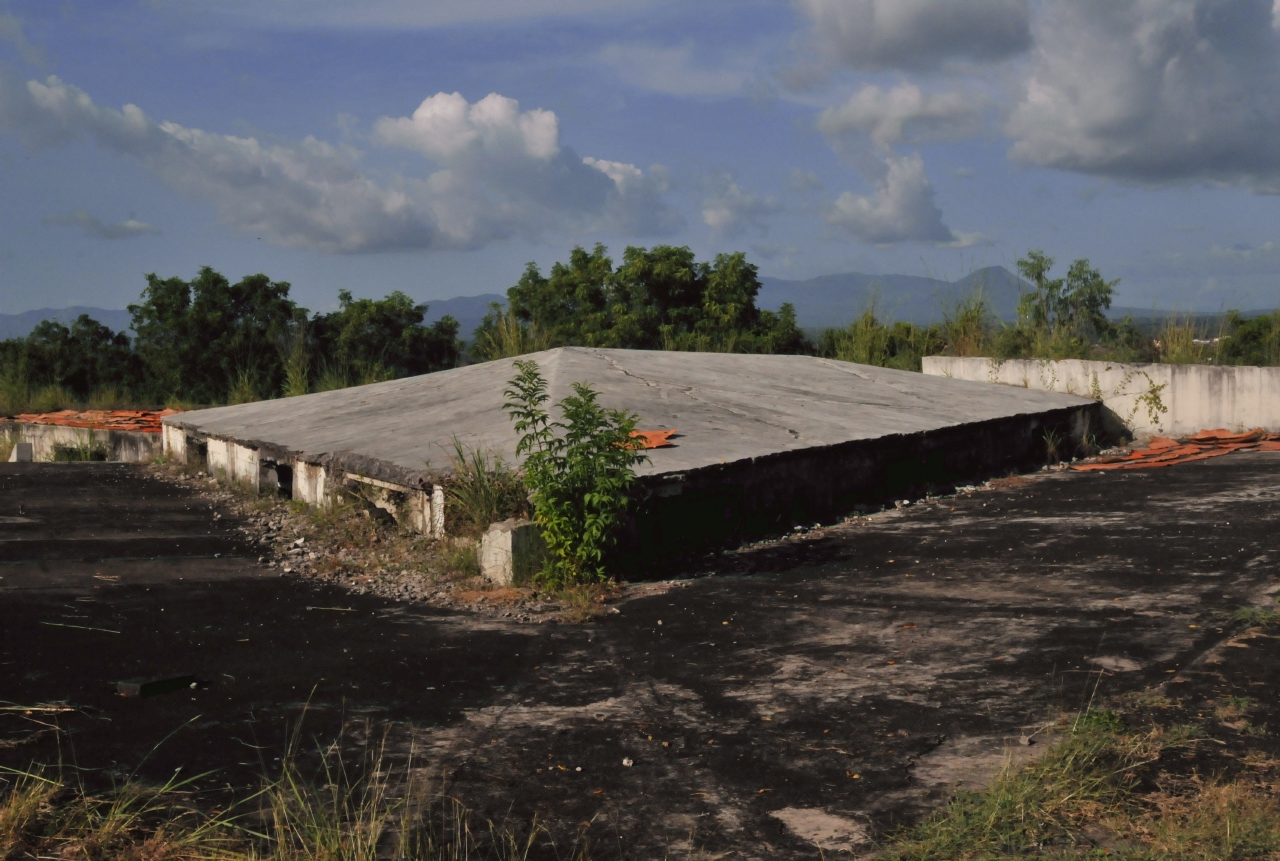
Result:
pixel 726 407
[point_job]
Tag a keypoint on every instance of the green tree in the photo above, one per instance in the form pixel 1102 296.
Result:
pixel 658 298
pixel 1075 305
pixel 578 471
pixel 200 339
pixel 82 358
pixel 382 339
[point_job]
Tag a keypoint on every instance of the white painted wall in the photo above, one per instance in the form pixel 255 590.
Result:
pixel 1149 398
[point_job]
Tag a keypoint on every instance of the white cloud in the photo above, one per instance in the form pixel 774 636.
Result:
pixel 11 32
pixel 675 70
pixel 904 112
pixel 900 210
pixel 1155 90
pixel 502 173
pixel 917 34
pixel 100 229
pixel 729 209
pixel 968 240
pixel 446 128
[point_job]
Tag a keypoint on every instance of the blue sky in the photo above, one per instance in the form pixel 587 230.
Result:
pixel 437 146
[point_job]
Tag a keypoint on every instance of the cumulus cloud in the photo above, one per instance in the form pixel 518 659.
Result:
pixel 900 210
pixel 1156 91
pixel 917 34
pixel 729 210
pixel 100 229
pixel 502 173
pixel 904 112
pixel 445 127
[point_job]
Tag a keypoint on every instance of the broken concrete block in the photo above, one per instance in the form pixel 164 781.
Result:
pixel 511 552
pixel 22 453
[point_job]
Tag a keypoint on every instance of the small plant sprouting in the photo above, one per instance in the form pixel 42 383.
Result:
pixel 1053 443
pixel 578 479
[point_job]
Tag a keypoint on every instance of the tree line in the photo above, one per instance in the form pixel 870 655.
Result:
pixel 208 341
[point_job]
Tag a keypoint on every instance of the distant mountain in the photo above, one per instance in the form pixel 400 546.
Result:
pixel 831 301
pixel 467 310
pixel 20 325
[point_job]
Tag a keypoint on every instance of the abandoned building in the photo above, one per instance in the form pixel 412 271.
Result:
pixel 761 441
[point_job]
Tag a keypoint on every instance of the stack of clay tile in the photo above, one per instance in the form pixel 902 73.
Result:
pixel 1162 451
pixel 145 421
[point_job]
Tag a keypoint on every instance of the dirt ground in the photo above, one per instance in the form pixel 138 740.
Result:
pixel 799 694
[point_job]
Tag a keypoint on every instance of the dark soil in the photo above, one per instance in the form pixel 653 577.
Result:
pixel 815 689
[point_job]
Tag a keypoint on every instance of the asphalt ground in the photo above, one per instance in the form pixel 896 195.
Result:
pixel 813 690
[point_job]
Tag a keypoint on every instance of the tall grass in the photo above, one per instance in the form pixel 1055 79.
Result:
pixel 966 326
pixel 363 810
pixel 244 388
pixel 867 341
pixel 509 337
pixel 297 366
pixel 481 491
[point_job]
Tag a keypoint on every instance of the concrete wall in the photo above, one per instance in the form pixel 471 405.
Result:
pixel 268 470
pixel 412 508
pixel 1145 399
pixel 122 446
pixel 686 514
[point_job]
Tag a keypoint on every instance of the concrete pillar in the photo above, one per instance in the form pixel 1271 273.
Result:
pixel 511 552
pixel 437 512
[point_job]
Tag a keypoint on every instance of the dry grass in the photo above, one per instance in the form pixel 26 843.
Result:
pixel 1091 795
pixel 365 808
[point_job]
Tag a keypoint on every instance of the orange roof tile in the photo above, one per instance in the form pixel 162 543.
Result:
pixel 144 421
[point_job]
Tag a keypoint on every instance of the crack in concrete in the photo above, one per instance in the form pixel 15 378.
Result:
pixel 688 391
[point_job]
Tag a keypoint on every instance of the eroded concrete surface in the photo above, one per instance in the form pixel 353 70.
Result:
pixel 810 694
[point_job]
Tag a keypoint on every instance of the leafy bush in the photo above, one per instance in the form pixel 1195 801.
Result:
pixel 578 479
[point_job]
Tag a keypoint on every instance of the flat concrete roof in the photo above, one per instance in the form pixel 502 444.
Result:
pixel 725 407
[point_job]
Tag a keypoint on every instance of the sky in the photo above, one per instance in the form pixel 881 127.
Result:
pixel 438 146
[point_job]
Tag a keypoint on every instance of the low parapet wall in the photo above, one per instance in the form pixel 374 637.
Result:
pixel 412 498
pixel 1147 399
pixel 113 445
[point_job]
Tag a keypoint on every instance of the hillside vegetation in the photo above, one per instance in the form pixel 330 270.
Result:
pixel 208 341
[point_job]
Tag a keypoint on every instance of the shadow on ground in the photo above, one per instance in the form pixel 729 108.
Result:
pixel 814 690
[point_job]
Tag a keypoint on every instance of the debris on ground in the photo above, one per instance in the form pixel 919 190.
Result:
pixel 350 547
pixel 1164 451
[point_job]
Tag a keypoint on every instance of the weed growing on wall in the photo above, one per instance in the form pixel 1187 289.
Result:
pixel 578 472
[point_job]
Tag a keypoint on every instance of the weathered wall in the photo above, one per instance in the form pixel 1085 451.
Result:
pixel 124 446
pixel 1146 399
pixel 688 513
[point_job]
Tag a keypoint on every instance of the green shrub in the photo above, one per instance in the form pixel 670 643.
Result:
pixel 578 479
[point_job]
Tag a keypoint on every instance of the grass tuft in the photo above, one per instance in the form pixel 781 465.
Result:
pixel 482 490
